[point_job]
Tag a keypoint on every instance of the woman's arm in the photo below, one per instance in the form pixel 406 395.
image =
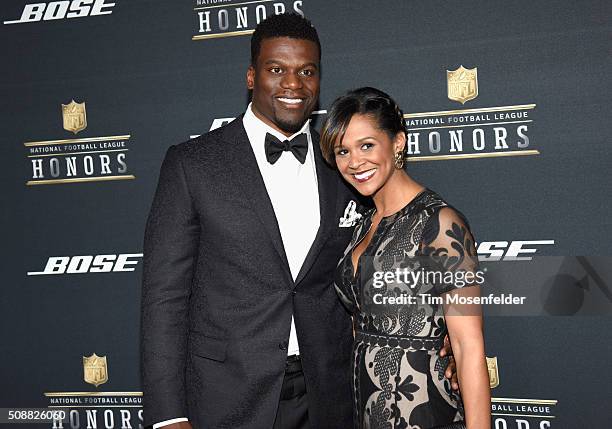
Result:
pixel 465 331
pixel 449 245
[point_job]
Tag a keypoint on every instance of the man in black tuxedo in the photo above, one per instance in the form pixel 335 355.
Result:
pixel 241 325
pixel 240 248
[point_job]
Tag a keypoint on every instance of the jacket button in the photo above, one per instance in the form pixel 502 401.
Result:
pixel 284 345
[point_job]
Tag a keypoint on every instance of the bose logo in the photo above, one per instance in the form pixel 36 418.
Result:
pixel 88 264
pixel 55 10
pixel 495 250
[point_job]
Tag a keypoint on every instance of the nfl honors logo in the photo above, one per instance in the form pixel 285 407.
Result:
pixel 462 84
pixel 95 369
pixel 75 116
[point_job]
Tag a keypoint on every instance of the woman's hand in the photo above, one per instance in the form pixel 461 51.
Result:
pixel 451 368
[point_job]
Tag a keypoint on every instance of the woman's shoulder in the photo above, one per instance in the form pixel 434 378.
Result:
pixel 446 221
pixel 434 203
pixel 426 202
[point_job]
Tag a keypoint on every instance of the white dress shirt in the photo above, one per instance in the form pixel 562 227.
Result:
pixel 292 188
pixel 294 193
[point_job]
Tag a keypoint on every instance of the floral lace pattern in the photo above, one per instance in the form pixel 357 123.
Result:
pixel 398 377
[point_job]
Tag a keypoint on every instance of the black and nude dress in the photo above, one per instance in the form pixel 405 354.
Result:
pixel 398 377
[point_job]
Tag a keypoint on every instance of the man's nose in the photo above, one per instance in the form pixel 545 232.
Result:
pixel 291 81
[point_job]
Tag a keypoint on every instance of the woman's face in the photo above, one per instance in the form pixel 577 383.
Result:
pixel 365 158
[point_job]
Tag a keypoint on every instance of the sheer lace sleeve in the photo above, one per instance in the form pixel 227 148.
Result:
pixel 448 244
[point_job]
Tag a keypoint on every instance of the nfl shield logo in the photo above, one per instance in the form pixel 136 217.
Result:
pixel 75 116
pixel 462 84
pixel 95 370
pixel 493 372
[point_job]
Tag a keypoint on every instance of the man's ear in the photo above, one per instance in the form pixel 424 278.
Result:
pixel 400 141
pixel 250 77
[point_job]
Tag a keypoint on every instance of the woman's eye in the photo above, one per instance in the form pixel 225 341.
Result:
pixel 367 146
pixel 341 152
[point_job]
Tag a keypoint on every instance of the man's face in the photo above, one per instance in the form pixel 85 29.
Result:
pixel 285 82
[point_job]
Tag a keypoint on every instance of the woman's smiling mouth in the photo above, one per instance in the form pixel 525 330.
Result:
pixel 364 176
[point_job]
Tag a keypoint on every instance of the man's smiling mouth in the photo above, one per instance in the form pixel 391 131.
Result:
pixel 293 101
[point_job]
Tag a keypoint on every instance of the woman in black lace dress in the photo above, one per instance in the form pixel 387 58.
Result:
pixel 398 377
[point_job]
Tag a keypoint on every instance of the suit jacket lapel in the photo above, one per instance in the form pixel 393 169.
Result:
pixel 327 182
pixel 249 180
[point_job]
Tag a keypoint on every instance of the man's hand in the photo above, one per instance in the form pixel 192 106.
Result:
pixel 179 425
pixel 451 368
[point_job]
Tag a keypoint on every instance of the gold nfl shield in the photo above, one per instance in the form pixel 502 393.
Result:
pixel 95 370
pixel 493 372
pixel 462 84
pixel 75 116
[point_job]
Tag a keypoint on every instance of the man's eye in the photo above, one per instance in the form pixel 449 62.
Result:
pixel 275 70
pixel 308 72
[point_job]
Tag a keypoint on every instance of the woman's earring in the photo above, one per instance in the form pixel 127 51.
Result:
pixel 399 160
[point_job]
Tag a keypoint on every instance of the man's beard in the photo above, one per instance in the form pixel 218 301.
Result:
pixel 290 125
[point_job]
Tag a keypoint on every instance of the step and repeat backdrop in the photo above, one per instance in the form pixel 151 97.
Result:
pixel 507 105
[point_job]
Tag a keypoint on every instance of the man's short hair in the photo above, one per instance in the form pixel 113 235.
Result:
pixel 290 25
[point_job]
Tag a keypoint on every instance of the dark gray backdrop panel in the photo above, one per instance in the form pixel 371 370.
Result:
pixel 141 74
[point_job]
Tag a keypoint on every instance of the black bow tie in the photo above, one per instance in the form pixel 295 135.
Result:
pixel 298 146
